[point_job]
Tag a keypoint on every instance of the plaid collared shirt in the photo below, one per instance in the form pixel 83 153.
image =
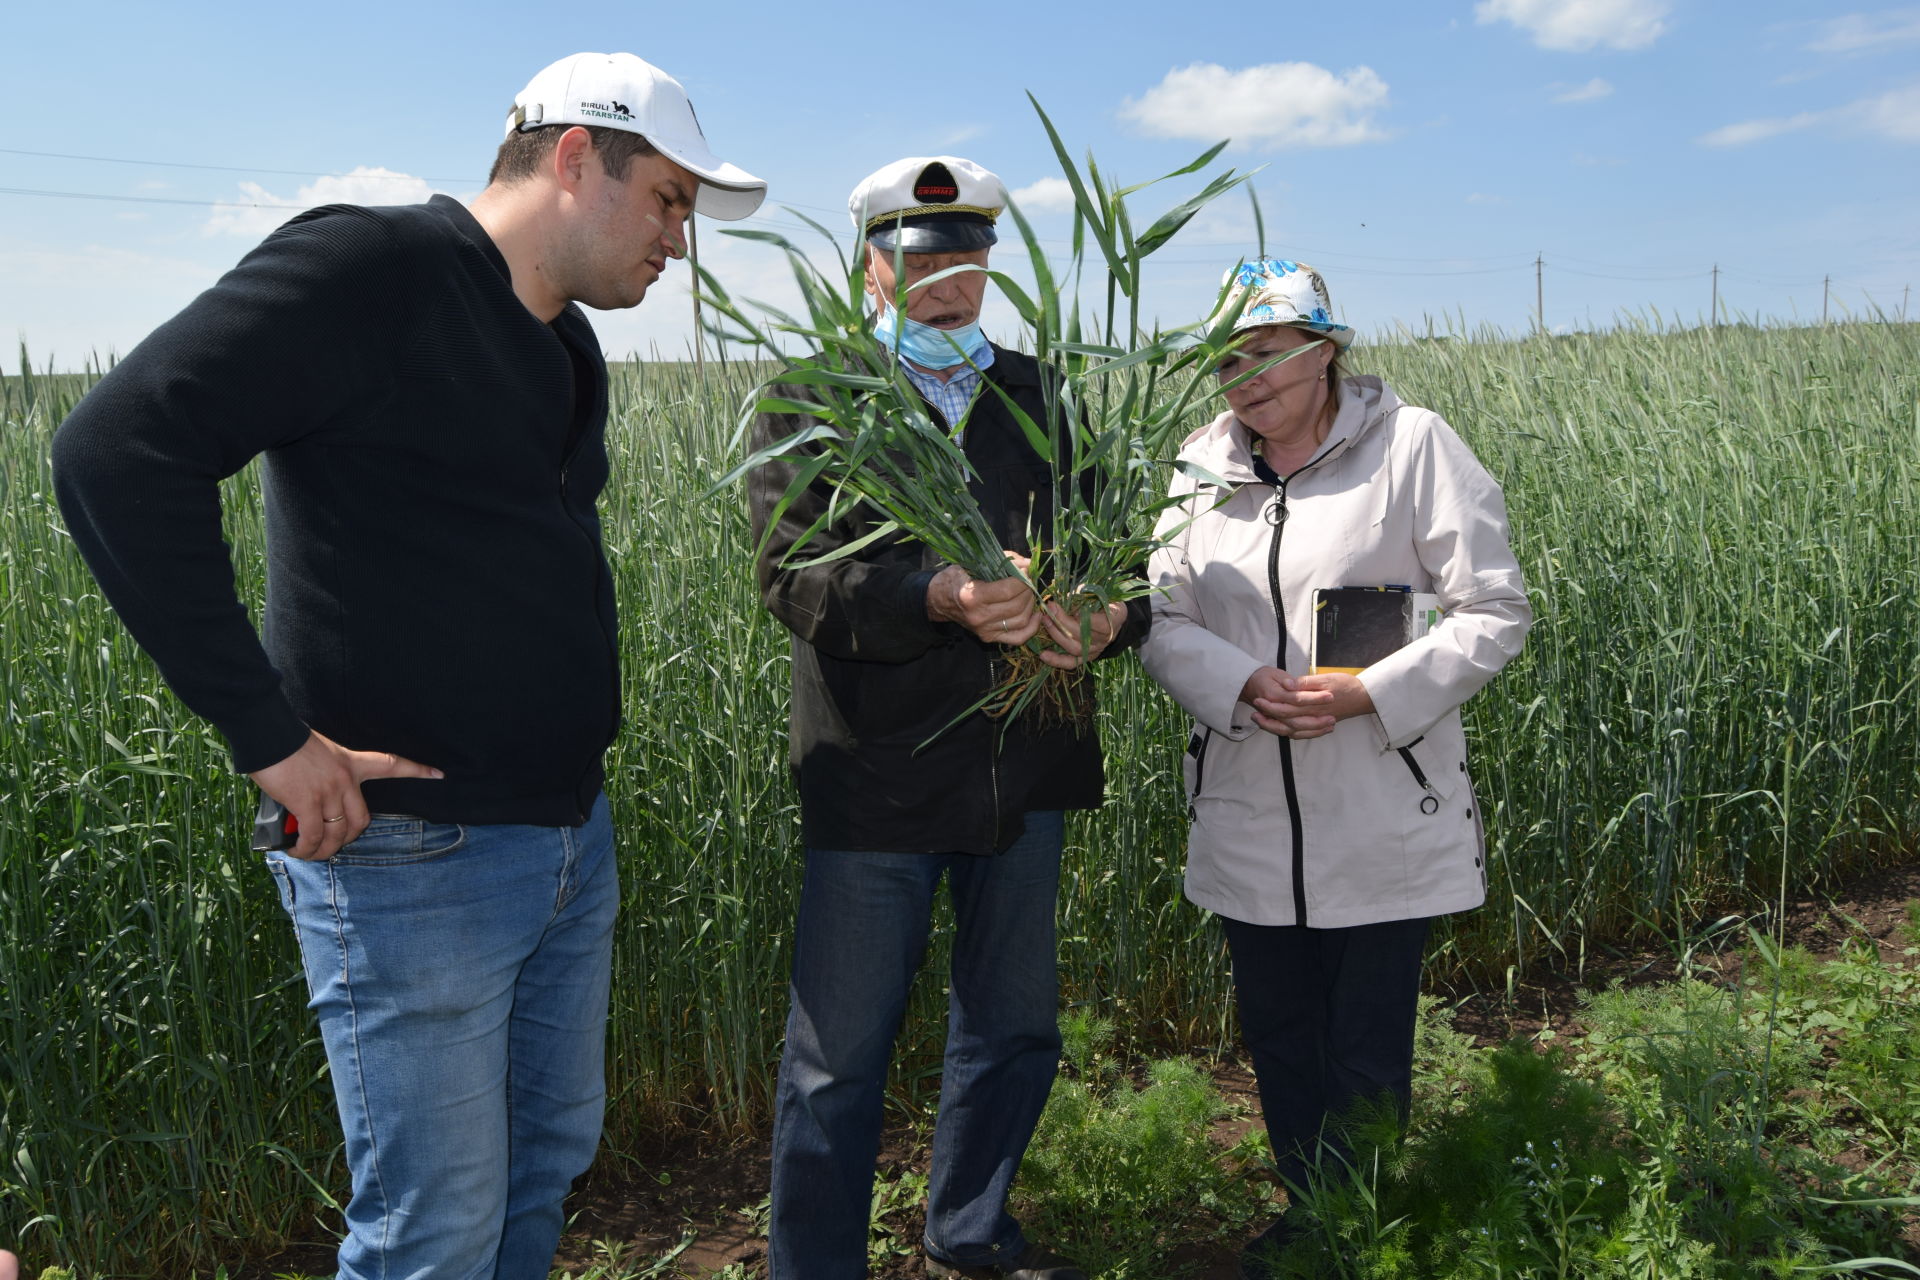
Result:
pixel 953 396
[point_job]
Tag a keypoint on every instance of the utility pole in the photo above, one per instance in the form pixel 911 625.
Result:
pixel 1825 284
pixel 1905 290
pixel 693 260
pixel 1539 295
pixel 1715 313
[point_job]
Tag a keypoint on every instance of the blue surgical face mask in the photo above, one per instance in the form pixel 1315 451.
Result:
pixel 926 346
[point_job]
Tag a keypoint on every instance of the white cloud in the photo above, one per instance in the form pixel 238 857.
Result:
pixel 1576 25
pixel 963 133
pixel 1280 104
pixel 1750 131
pixel 262 210
pixel 1592 91
pixel 1868 32
pixel 1048 195
pixel 1894 115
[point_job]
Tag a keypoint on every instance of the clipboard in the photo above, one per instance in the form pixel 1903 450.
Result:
pixel 1355 627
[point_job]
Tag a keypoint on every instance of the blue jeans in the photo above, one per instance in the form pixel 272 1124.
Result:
pixel 460 978
pixel 860 938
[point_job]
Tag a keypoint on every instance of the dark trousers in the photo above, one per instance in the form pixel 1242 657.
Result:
pixel 859 941
pixel 1328 1017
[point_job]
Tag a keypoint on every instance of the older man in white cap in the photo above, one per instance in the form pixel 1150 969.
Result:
pixel 438 680
pixel 889 647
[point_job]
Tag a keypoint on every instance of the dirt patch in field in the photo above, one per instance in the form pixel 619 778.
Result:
pixel 709 1192
pixel 1873 905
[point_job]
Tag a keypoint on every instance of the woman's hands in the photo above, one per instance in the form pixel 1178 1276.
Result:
pixel 1304 706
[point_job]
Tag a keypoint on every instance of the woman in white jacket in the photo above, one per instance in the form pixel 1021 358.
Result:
pixel 1332 813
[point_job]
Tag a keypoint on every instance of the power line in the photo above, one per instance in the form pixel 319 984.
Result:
pixel 92 195
pixel 1336 260
pixel 1599 275
pixel 290 207
pixel 1642 265
pixel 226 168
pixel 1518 259
pixel 1512 260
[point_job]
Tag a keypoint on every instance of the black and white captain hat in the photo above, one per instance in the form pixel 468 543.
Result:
pixel 929 204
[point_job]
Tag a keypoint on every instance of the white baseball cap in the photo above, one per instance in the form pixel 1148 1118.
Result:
pixel 929 204
pixel 620 91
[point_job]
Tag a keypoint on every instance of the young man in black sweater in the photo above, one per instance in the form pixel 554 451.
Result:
pixel 436 680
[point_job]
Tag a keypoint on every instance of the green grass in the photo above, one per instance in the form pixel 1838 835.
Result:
pixel 1123 1177
pixel 1692 1130
pixel 1716 707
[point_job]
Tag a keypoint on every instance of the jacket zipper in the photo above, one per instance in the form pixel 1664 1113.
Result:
pixel 994 824
pixel 993 761
pixel 1197 748
pixel 1430 802
pixel 1276 515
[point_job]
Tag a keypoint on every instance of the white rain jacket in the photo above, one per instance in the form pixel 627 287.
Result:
pixel 1376 820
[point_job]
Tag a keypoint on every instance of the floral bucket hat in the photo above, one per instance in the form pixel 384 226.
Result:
pixel 1281 291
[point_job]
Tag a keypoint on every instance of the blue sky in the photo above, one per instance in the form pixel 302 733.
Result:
pixel 1419 154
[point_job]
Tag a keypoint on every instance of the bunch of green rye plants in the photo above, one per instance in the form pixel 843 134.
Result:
pixel 1116 398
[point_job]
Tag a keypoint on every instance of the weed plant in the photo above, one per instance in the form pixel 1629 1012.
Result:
pixel 1123 1176
pixel 1860 1017
pixel 1683 1134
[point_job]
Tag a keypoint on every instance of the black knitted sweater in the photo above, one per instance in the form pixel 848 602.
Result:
pixel 431 457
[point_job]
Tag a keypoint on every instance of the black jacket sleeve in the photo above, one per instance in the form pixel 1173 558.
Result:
pixel 1132 631
pixel 870 606
pixel 279 351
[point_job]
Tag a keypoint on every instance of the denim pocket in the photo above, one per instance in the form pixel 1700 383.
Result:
pixel 393 840
pixel 283 881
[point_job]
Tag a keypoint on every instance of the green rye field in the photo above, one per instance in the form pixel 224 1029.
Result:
pixel 1716 709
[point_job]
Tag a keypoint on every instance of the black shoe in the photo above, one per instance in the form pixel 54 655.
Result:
pixel 1036 1262
pixel 1258 1261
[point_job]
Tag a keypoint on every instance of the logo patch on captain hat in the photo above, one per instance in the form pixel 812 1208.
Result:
pixel 936 185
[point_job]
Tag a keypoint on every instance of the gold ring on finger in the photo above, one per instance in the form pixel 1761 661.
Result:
pixel 341 818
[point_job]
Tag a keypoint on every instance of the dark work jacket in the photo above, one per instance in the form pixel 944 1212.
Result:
pixel 432 456
pixel 874 677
